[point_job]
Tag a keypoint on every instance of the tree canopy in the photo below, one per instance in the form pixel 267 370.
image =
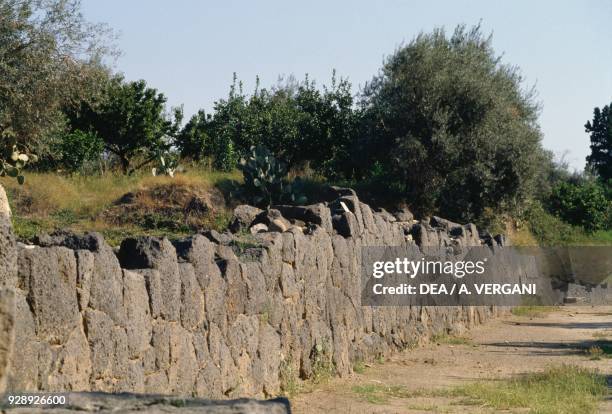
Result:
pixel 131 120
pixel 451 127
pixel 50 59
pixel 600 130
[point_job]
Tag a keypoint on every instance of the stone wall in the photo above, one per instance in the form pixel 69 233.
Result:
pixel 214 315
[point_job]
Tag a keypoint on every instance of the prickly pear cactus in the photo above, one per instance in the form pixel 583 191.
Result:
pixel 264 177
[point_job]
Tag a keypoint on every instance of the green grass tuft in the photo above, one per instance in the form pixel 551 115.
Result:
pixel 533 311
pixel 561 390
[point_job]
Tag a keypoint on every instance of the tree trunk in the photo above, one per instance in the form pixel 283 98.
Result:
pixel 125 164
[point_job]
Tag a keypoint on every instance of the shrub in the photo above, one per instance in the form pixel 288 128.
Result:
pixel 548 229
pixel 298 122
pixel 584 205
pixel 77 147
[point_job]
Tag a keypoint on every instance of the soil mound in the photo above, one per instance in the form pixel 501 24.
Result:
pixel 173 206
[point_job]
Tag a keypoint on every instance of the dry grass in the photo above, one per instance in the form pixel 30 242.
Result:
pixel 49 201
pixel 446 339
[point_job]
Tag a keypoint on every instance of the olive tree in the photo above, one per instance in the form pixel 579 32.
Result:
pixel 50 59
pixel 451 127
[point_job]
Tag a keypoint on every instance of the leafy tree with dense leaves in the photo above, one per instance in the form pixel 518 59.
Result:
pixel 600 129
pixel 451 127
pixel 50 58
pixel 298 122
pixel 583 204
pixel 194 140
pixel 76 148
pixel 132 122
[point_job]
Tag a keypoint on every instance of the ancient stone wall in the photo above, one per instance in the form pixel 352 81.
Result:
pixel 215 315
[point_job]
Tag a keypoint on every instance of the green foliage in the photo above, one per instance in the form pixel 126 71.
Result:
pixel 323 368
pixel 289 378
pixel 533 311
pixel 452 126
pixel 167 164
pixel 584 205
pixel 78 147
pixel 264 177
pixel 49 59
pixel 600 159
pixel 299 123
pixel 130 118
pixel 549 230
pixel 194 140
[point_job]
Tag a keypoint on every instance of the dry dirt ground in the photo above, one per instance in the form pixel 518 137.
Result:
pixel 501 348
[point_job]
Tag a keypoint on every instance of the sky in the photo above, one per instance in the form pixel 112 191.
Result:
pixel 189 49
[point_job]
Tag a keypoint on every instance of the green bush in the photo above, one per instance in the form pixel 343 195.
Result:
pixel 298 122
pixel 550 230
pixel 78 147
pixel 583 205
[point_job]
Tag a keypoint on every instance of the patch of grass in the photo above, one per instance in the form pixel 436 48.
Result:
pixel 359 367
pixel 560 390
pixel 323 368
pixel 447 339
pixel 549 230
pixel 25 228
pixel 289 380
pixel 51 201
pixel 533 311
pixel 380 393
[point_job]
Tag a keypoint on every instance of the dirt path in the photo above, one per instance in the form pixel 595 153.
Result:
pixel 499 349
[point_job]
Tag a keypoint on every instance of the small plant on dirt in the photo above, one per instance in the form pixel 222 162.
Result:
pixel 322 367
pixel 264 179
pixel 359 367
pixel 289 381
